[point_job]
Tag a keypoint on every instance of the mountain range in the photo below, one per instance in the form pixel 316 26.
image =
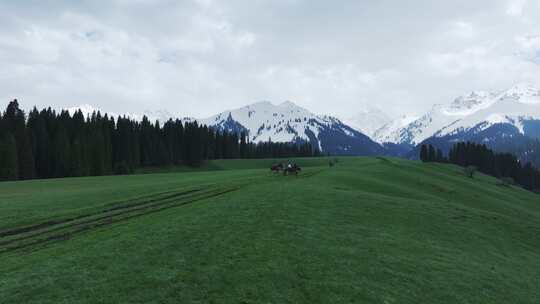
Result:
pixel 288 122
pixel 152 115
pixel 507 121
pixel 475 112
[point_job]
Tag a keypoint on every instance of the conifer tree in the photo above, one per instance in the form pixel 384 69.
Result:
pixel 440 157
pixel 424 153
pixel 61 153
pixel 50 144
pixel 431 154
pixel 8 157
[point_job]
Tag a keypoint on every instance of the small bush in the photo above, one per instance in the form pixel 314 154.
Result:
pixel 470 171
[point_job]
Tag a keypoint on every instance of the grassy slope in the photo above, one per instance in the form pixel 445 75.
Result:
pixel 368 230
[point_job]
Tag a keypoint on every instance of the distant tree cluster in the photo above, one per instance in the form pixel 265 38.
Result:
pixel 47 144
pixel 429 153
pixel 504 166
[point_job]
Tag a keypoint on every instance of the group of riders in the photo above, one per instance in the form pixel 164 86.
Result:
pixel 290 168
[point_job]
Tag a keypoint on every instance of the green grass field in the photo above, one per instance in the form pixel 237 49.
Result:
pixel 369 230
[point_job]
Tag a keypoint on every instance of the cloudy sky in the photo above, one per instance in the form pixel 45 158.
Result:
pixel 198 57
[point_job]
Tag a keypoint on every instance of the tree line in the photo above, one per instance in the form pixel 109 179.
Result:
pixel 47 144
pixel 500 165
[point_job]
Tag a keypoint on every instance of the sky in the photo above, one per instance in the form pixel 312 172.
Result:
pixel 199 57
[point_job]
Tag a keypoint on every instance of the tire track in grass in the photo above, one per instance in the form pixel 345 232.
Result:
pixel 47 224
pixel 29 237
pixel 59 233
pixel 119 210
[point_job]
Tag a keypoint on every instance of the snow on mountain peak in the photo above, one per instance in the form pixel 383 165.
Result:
pixel 387 132
pixel 262 103
pixel 86 109
pixel 523 93
pixel 288 122
pixel 157 115
pixel 287 104
pixel 468 104
pixel 513 106
pixel 264 120
pixel 368 120
pixel 522 89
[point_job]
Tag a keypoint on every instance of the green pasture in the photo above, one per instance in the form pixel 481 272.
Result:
pixel 367 230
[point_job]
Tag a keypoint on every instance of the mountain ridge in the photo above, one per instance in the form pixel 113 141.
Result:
pixel 468 117
pixel 514 106
pixel 288 122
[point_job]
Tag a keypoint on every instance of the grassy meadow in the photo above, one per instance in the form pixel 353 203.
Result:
pixel 368 230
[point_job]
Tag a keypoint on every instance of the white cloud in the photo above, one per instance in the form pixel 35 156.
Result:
pixel 462 29
pixel 197 57
pixel 529 47
pixel 459 62
pixel 515 7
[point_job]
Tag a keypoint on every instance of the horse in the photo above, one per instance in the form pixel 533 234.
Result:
pixel 294 169
pixel 276 168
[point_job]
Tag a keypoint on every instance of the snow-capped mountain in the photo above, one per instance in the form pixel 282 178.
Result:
pixel 160 115
pixel 501 119
pixel 86 110
pixel 288 122
pixel 369 120
pixel 474 112
pixel 387 130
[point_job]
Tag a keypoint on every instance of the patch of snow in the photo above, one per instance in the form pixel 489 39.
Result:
pixel 349 133
pixel 496 118
pixel 389 131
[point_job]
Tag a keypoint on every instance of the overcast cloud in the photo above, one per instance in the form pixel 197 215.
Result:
pixel 195 58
